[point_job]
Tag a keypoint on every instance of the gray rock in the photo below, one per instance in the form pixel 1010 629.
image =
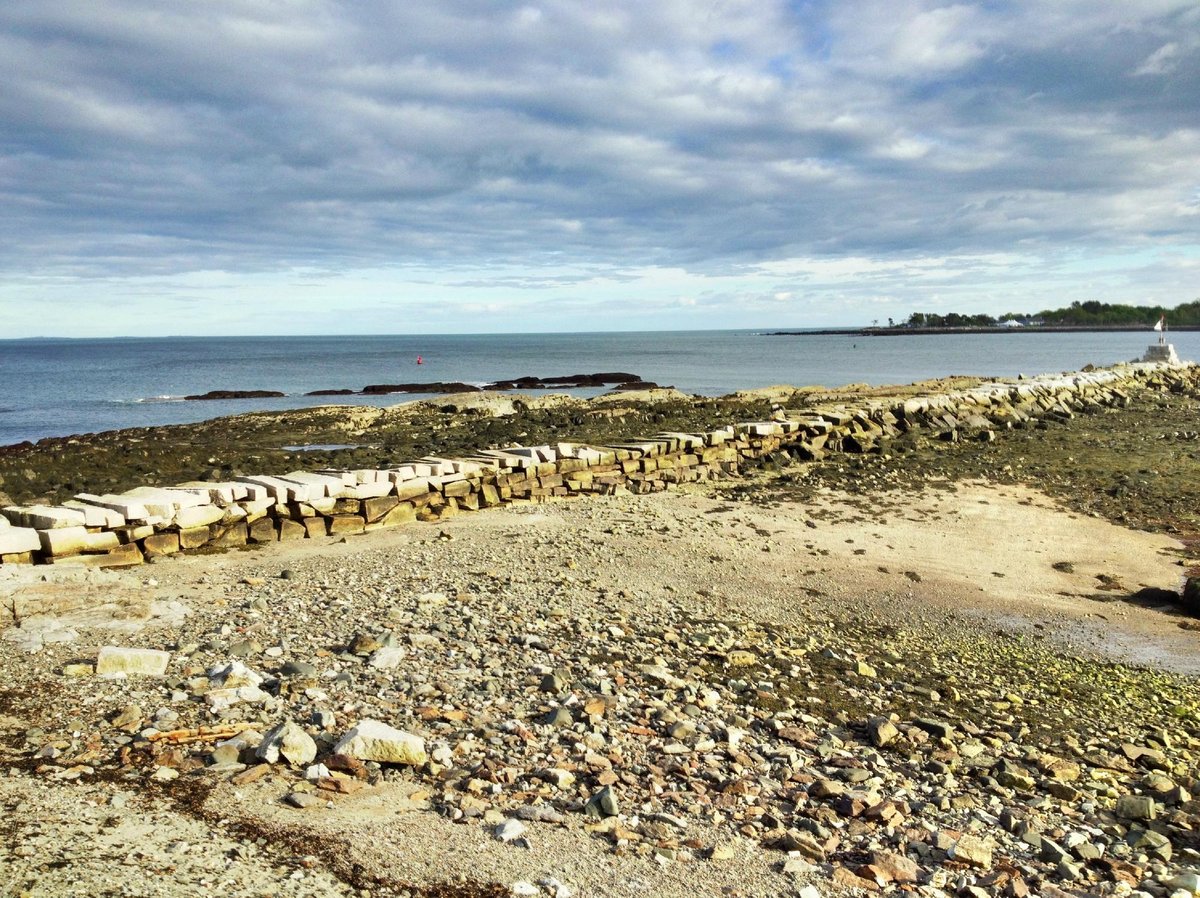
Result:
pixel 1136 807
pixel 289 741
pixel 881 731
pixel 603 804
pixel 558 717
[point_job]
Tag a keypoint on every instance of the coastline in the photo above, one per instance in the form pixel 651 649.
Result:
pixel 947 331
pixel 812 675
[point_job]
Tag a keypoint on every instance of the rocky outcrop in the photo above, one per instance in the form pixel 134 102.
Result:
pixel 237 394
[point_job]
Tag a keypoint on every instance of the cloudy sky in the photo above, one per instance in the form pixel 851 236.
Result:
pixel 426 166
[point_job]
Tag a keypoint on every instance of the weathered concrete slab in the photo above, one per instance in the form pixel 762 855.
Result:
pixel 318 484
pixel 127 555
pixel 45 517
pixel 146 662
pixel 76 541
pixel 200 516
pixel 15 540
pixel 95 515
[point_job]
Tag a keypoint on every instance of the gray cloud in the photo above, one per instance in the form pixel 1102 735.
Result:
pixel 141 139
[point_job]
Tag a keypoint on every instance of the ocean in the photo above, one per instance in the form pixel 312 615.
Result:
pixel 59 387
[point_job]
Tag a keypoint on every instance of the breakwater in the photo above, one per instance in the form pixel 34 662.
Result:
pixel 127 528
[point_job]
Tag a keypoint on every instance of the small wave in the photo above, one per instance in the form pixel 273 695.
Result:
pixel 142 400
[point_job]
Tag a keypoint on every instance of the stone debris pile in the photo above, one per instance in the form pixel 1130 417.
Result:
pixel 671 727
pixel 125 529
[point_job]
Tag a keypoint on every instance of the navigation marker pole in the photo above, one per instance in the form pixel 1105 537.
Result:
pixel 1162 351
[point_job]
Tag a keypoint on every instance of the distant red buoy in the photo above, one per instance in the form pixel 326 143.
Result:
pixel 420 361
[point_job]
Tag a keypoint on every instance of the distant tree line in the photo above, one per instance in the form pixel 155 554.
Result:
pixel 1077 314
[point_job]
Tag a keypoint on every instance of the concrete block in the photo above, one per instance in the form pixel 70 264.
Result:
pixel 346 523
pixel 411 489
pixel 126 555
pixel 199 516
pixel 369 490
pixel 318 484
pixel 404 513
pixel 278 488
pixel 194 537
pixel 314 527
pixel 147 662
pixel 16 540
pixel 289 530
pixel 76 541
pixel 161 502
pixel 375 508
pixel 95 516
pixel 160 544
pixel 129 509
pixel 45 517
pixel 262 531
pixel 228 537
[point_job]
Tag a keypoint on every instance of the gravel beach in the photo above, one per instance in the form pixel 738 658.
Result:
pixel 925 670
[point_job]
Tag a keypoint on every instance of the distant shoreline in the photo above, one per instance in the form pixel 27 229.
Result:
pixel 936 331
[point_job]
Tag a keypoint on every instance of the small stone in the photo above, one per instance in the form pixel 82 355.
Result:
pixel 373 740
pixel 795 841
pixel 935 728
pixel 895 867
pixel 510 830
pixel 973 850
pixel 300 669
pixel 387 658
pixel 244 648
pixel 129 718
pixel 364 644
pixel 881 731
pixel 602 804
pixel 289 741
pixel 302 800
pixel 1135 807
pixel 559 717
pixel 1188 881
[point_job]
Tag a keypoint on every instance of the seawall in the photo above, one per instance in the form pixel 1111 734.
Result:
pixel 120 530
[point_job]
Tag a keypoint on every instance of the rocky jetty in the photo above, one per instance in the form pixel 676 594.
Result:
pixel 121 529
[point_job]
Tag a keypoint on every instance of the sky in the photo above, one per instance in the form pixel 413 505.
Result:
pixel 462 166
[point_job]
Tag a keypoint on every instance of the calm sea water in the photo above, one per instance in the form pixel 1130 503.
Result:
pixel 62 387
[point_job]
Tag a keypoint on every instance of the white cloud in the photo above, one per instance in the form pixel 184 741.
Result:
pixel 737 149
pixel 1162 61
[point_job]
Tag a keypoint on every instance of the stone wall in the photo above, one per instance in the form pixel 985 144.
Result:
pixel 125 529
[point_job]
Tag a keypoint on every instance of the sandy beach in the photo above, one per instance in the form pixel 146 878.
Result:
pixel 951 670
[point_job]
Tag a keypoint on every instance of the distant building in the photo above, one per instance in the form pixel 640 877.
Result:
pixel 1013 323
